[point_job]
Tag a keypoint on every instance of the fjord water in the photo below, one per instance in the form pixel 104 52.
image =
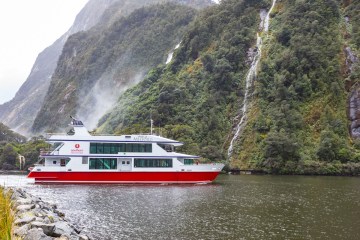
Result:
pixel 234 207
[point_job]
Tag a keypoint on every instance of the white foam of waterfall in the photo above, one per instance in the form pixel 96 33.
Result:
pixel 249 82
pixel 170 55
pixel 250 77
pixel 267 19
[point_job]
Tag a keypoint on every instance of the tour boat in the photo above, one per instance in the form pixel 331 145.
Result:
pixel 79 157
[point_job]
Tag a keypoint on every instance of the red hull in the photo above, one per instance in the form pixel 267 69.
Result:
pixel 123 177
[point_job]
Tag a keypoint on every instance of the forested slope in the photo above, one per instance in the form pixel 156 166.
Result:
pixel 194 99
pixel 299 120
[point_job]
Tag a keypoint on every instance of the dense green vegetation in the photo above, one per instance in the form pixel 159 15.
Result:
pixel 108 59
pixel 298 121
pixel 300 124
pixel 195 98
pixel 10 151
pixel 12 144
pixel 352 38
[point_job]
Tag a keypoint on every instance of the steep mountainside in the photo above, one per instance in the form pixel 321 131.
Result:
pixel 296 119
pixel 96 66
pixel 194 99
pixel 20 112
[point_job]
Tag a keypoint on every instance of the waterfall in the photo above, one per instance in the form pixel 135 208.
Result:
pixel 250 77
pixel 267 18
pixel 170 55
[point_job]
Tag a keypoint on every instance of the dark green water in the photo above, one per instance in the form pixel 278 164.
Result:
pixel 234 207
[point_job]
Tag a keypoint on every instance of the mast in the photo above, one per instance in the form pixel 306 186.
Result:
pixel 151 126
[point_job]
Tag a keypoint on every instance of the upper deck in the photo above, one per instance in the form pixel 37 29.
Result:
pixel 81 134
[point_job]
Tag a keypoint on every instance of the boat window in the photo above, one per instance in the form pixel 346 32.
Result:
pixel 166 147
pixel 56 146
pixel 62 162
pixel 143 162
pixel 100 148
pixel 93 148
pixel 107 148
pixel 121 147
pixel 54 162
pixel 102 163
pixel 114 148
pixel 41 161
pixel 188 161
pixel 130 148
pixel 84 160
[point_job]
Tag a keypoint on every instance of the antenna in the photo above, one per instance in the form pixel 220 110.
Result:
pixel 151 126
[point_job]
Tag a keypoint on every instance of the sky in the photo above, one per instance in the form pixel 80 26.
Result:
pixel 28 27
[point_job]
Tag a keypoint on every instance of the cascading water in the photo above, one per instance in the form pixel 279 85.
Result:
pixel 170 55
pixel 251 75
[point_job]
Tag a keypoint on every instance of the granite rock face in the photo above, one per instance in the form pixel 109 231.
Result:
pixel 354 112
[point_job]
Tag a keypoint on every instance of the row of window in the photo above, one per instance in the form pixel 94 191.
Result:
pixel 103 163
pixel 148 163
pixel 111 163
pixel 114 148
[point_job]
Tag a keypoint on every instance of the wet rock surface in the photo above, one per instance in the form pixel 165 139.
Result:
pixel 354 112
pixel 351 59
pixel 38 220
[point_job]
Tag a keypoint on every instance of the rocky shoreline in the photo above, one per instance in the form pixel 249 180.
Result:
pixel 35 219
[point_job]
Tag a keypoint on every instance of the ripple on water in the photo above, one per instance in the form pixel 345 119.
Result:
pixel 235 207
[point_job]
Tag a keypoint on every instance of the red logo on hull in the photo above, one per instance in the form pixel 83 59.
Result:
pixel 77 145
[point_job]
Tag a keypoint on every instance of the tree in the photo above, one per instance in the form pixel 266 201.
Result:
pixel 280 147
pixel 8 158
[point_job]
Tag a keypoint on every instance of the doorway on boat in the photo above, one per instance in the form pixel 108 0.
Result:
pixel 124 164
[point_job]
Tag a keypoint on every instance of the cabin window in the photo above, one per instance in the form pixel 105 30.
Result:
pixel 62 163
pixel 121 147
pixel 84 160
pixel 100 148
pixel 107 148
pixel 145 163
pixel 114 148
pixel 103 163
pixel 129 148
pixel 54 162
pixel 166 147
pixel 93 148
pixel 188 161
